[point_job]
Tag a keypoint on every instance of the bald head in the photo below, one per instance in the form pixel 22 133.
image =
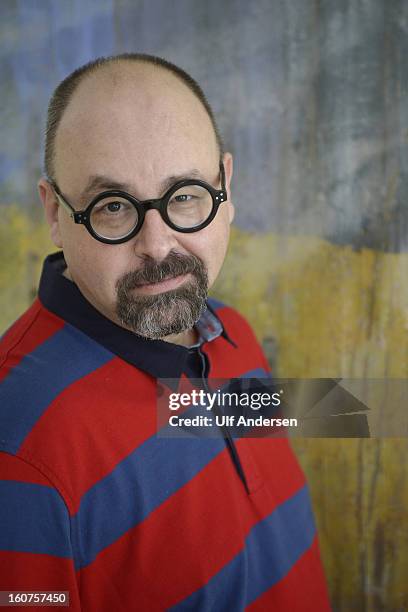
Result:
pixel 154 88
pixel 145 112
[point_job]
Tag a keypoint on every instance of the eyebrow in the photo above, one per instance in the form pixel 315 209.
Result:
pixel 100 182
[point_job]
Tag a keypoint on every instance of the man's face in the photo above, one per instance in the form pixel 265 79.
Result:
pixel 137 128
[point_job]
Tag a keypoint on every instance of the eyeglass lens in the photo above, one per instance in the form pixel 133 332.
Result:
pixel 190 206
pixel 115 217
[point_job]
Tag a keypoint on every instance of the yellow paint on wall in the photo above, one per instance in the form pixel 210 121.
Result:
pixel 333 311
pixel 23 245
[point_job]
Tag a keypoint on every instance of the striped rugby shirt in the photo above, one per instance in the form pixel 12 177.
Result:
pixel 94 503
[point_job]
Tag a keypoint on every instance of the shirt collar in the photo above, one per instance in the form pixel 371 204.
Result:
pixel 159 358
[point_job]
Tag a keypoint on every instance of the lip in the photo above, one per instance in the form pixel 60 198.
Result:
pixel 165 285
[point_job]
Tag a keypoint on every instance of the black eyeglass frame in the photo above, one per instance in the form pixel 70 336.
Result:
pixel 83 217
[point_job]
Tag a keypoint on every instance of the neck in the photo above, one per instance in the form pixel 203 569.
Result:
pixel 186 338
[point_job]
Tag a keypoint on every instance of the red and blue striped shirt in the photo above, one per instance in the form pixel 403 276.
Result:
pixel 95 503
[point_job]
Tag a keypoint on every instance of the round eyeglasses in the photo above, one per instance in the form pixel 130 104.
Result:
pixel 115 216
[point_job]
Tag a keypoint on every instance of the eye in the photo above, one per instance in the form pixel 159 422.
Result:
pixel 183 197
pixel 113 206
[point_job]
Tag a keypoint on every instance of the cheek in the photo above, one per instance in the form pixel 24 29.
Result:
pixel 94 266
pixel 210 245
pixel 219 252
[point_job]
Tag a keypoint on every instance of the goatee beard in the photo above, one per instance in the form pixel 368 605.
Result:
pixel 170 312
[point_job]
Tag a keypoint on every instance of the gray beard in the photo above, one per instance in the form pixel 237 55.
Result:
pixel 170 312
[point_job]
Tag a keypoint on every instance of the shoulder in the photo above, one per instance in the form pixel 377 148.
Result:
pixel 40 357
pixel 41 346
pixel 31 330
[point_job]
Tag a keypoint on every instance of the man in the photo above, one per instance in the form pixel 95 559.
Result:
pixel 94 502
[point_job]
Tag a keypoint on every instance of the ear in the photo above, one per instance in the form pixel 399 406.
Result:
pixel 51 209
pixel 228 162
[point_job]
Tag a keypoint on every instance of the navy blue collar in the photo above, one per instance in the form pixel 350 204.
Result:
pixel 156 357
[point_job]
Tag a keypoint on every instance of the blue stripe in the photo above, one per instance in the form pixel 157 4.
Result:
pixel 40 376
pixel 33 519
pixel 256 373
pixel 136 487
pixel 215 304
pixel 271 549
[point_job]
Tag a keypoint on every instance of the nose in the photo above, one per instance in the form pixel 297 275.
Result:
pixel 155 239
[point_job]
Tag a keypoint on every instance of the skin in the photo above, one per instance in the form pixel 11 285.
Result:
pixel 138 125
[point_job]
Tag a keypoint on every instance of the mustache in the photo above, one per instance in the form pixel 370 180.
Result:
pixel 175 264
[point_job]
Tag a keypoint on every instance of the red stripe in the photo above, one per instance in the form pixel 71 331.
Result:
pixel 303 589
pixel 30 572
pixel 228 361
pixel 33 328
pixel 104 416
pixel 197 531
pixel 14 468
pixel 272 460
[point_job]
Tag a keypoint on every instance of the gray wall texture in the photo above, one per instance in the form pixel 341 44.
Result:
pixel 310 95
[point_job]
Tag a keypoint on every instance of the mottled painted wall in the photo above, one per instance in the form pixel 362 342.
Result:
pixel 312 99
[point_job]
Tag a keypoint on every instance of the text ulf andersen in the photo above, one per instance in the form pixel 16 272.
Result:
pixel 229 421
